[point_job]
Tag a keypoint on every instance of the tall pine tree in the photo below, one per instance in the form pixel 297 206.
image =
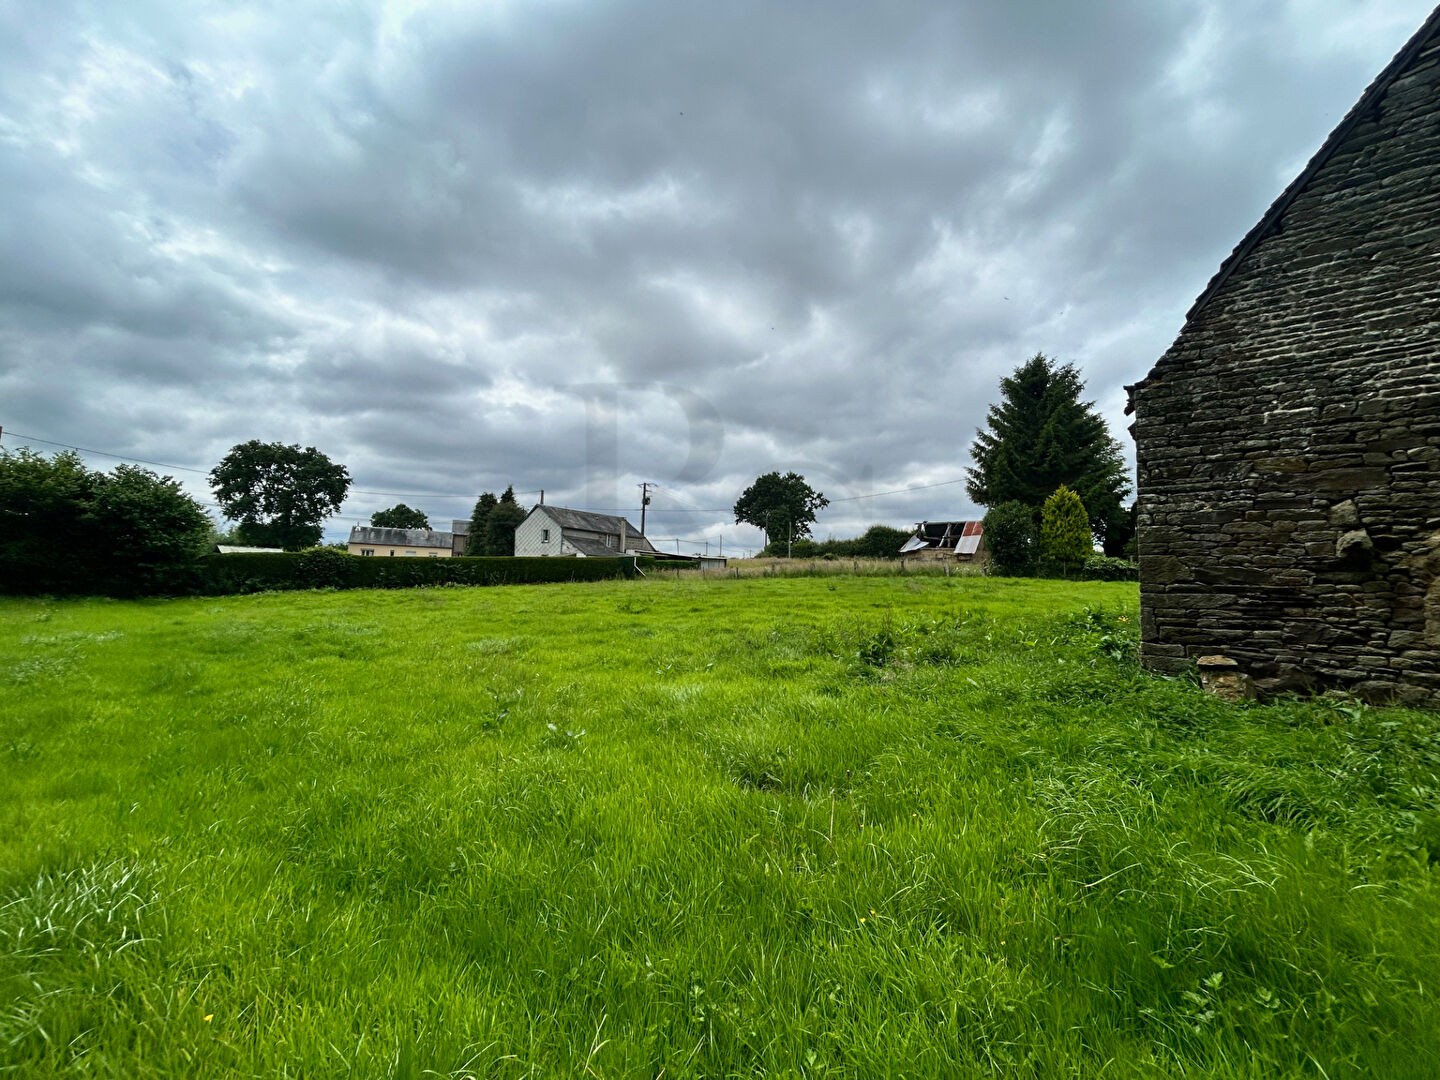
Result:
pixel 479 518
pixel 1040 436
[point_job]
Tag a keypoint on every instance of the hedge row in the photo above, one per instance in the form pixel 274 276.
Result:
pixel 1095 568
pixel 1105 568
pixel 325 568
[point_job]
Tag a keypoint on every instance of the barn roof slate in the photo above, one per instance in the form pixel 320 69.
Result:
pixel 1369 101
pixel 1271 220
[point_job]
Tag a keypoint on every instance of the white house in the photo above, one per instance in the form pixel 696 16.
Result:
pixel 555 530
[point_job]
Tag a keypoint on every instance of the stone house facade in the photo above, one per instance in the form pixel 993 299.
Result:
pixel 1289 441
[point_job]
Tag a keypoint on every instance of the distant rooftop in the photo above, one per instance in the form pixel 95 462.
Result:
pixel 413 538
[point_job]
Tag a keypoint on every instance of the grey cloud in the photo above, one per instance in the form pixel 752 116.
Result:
pixel 410 235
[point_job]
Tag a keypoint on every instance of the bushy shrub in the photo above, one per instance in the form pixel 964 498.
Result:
pixel 67 530
pixel 1011 539
pixel 1065 538
pixel 1104 568
pixel 877 542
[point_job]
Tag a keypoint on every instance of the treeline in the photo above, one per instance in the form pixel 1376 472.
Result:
pixel 877 542
pixel 68 530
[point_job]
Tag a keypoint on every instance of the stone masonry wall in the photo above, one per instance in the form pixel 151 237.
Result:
pixel 1289 441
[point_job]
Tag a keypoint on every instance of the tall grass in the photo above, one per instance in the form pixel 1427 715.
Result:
pixel 848 826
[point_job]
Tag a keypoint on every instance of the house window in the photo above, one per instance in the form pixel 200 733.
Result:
pixel 412 553
pixel 392 551
pixel 367 551
pixel 434 554
pixel 544 536
pixel 611 540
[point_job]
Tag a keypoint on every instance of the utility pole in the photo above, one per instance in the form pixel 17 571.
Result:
pixel 644 502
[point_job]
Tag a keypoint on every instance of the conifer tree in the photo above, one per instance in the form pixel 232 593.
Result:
pixel 1065 540
pixel 1042 435
pixel 479 518
pixel 500 525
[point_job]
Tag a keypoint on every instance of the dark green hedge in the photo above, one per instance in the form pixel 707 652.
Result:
pixel 324 568
pixel 1095 568
pixel 1105 568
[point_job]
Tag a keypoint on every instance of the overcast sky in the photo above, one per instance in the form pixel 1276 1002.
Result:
pixel 575 246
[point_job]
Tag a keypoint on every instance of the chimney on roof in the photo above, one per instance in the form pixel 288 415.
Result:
pixel 623 534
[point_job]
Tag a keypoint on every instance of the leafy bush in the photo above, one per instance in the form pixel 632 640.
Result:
pixel 67 530
pixel 877 542
pixel 1011 539
pixel 1104 568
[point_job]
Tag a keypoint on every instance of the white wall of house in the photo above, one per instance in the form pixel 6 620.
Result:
pixel 538 535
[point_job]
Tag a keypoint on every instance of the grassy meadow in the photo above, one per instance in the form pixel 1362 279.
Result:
pixel 818 826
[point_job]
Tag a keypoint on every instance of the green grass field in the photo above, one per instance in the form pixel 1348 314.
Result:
pixel 846 826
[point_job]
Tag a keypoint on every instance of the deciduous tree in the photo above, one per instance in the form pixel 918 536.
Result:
pixel 280 495
pixel 784 506
pixel 399 516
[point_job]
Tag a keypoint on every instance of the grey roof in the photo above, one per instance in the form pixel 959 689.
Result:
pixel 587 521
pixel 415 538
pixel 593 548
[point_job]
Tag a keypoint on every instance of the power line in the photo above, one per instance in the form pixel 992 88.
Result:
pixel 897 491
pixel 533 491
pixel 102 453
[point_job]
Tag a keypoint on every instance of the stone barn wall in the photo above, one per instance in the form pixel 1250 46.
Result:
pixel 1289 441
